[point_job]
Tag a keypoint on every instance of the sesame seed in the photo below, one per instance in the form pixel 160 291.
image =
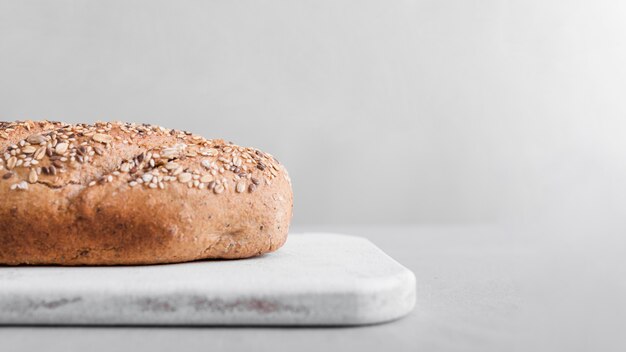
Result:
pixel 7 176
pixel 147 177
pixel 241 186
pixel 21 186
pixel 206 178
pixel 251 188
pixel 184 177
pixel 218 189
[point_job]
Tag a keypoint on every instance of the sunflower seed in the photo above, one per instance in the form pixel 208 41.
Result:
pixel 29 149
pixel 11 163
pixel 61 148
pixel 36 139
pixel 102 138
pixel 170 153
pixel 171 166
pixel 40 153
pixel 32 176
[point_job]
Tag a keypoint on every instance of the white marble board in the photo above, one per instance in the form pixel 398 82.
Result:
pixel 315 279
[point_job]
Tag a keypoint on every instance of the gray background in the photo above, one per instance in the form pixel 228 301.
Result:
pixel 390 115
pixel 388 112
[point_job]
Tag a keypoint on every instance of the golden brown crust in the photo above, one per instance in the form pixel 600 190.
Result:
pixel 117 193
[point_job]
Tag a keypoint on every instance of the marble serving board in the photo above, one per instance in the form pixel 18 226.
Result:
pixel 315 279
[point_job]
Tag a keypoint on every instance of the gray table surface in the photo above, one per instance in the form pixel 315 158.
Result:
pixel 480 288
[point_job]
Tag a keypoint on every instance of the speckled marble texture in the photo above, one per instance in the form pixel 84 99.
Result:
pixel 315 279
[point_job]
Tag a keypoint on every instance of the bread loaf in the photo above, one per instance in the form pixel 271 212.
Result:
pixel 124 193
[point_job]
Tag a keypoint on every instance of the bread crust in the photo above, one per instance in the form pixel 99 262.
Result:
pixel 120 194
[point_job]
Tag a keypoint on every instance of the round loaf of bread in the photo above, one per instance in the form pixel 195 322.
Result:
pixel 116 193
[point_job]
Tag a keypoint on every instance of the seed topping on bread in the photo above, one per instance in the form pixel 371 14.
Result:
pixel 54 150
